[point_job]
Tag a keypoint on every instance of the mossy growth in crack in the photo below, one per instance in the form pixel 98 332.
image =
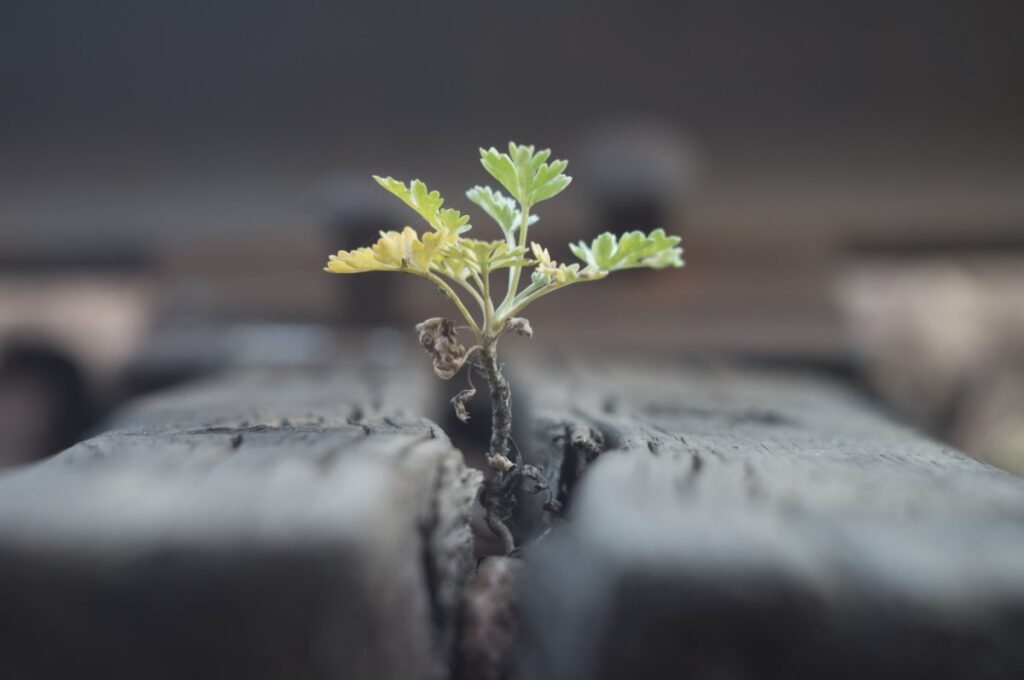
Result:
pixel 462 269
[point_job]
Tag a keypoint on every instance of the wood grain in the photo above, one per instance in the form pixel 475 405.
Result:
pixel 746 523
pixel 261 525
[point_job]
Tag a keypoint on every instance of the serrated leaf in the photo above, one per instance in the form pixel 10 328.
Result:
pixel 452 221
pixel 428 204
pixel 426 251
pixel 483 257
pixel 501 168
pixel 393 251
pixel 550 188
pixel 501 208
pixel 526 174
pixel 633 249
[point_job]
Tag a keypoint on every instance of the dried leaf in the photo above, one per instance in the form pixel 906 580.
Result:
pixel 518 324
pixel 437 335
pixel 499 462
pixel 459 403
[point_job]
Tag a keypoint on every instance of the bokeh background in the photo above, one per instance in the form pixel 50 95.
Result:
pixel 847 177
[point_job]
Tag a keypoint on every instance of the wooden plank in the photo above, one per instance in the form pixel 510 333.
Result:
pixel 742 523
pixel 262 525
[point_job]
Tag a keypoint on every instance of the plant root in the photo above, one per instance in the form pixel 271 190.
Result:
pixel 507 474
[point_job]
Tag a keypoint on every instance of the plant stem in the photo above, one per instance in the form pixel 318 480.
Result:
pixel 501 402
pixel 488 305
pixel 474 293
pixel 531 297
pixel 439 282
pixel 498 496
pixel 513 273
pixel 516 302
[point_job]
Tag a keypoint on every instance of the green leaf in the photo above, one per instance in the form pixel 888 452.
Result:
pixel 499 207
pixel 549 181
pixel 452 221
pixel 526 174
pixel 483 257
pixel 501 168
pixel 428 204
pixel 608 253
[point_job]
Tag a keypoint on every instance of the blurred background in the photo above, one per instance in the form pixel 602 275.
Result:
pixel 847 177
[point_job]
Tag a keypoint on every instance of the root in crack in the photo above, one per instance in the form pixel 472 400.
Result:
pixel 489 621
pixel 582 444
pixel 507 474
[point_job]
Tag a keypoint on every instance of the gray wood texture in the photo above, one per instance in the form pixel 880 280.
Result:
pixel 259 525
pixel 722 522
pixel 744 523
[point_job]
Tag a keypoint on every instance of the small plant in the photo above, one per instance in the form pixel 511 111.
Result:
pixel 457 264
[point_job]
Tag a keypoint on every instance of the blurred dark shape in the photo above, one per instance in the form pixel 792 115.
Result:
pixel 365 299
pixel 989 420
pixel 176 351
pixel 624 213
pixel 358 211
pixel 639 175
pixel 45 402
pixel 69 319
pixel 939 331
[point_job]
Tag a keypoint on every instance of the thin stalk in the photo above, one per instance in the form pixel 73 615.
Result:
pixel 439 282
pixel 532 294
pixel 513 273
pixel 532 297
pixel 518 299
pixel 472 291
pixel 476 279
pixel 488 305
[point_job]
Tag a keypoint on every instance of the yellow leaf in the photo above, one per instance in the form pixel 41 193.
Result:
pixel 555 273
pixel 393 251
pixel 425 251
pixel 388 249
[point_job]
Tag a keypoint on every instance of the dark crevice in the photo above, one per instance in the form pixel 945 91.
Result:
pixel 283 426
pixel 582 445
pixel 688 481
pixel 489 621
pixel 367 430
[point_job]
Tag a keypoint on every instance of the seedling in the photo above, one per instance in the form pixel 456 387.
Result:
pixel 462 269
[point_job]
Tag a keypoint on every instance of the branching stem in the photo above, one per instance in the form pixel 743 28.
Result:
pixel 440 283
pixel 472 291
pixel 514 272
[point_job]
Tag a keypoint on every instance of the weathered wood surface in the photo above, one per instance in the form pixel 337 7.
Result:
pixel 750 524
pixel 265 525
pixel 722 522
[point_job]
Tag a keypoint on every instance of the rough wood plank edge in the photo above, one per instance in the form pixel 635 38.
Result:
pixel 749 524
pixel 262 526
